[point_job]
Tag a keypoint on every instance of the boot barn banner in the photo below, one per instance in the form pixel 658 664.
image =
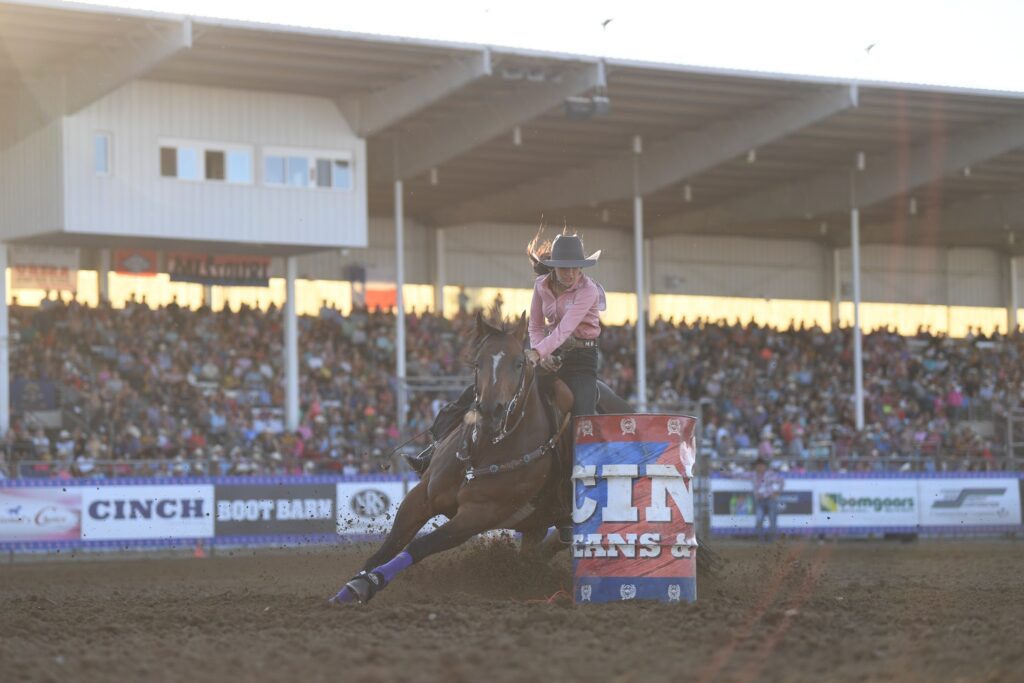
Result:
pixel 226 271
pixel 54 268
pixel 633 508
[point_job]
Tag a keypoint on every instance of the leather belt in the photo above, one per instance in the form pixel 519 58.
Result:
pixel 573 343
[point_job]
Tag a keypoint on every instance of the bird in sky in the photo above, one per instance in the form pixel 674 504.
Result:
pixel 604 24
pixel 868 48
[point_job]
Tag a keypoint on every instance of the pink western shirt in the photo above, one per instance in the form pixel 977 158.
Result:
pixel 575 313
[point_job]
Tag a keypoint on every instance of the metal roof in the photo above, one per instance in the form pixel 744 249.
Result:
pixel 956 152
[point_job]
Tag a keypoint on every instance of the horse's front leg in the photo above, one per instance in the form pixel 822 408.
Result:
pixel 412 514
pixel 470 520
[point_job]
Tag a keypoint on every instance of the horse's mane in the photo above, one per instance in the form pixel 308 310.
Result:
pixel 495 323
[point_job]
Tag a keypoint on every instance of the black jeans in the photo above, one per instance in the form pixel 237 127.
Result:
pixel 579 371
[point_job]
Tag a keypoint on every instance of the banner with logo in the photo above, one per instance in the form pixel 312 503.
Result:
pixel 633 508
pixel 228 271
pixel 732 505
pixel 147 512
pixel 54 268
pixel 135 262
pixel 287 510
pixel 40 514
pixel 368 507
pixel 875 504
pixel 959 503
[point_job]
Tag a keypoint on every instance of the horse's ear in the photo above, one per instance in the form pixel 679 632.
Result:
pixel 521 327
pixel 483 328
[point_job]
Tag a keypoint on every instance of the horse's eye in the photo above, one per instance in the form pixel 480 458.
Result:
pixel 519 364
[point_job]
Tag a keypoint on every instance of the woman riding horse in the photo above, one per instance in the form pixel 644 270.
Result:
pixel 564 327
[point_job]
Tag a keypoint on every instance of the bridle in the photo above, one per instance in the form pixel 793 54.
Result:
pixel 517 404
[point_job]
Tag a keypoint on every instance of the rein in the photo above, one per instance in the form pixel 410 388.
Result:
pixel 545 448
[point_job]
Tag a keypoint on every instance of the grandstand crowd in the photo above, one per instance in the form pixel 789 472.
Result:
pixel 169 391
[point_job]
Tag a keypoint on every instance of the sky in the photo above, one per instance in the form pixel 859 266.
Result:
pixel 961 43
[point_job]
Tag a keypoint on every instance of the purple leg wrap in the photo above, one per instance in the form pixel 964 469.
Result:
pixel 391 569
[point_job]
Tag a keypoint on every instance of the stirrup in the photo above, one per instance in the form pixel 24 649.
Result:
pixel 421 460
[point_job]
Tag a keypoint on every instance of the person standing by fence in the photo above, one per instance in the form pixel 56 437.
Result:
pixel 767 484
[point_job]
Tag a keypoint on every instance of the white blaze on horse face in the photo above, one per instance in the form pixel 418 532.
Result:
pixel 495 361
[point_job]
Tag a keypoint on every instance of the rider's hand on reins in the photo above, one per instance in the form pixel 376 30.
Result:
pixel 532 356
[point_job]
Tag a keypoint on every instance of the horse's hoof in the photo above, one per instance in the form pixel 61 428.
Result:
pixel 358 590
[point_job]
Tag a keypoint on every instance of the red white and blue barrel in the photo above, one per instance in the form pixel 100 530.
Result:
pixel 633 508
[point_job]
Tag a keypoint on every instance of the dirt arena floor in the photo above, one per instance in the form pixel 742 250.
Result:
pixel 796 611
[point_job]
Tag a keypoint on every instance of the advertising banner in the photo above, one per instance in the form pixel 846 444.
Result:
pixel 633 508
pixel 40 514
pixel 866 503
pixel 732 504
pixel 44 268
pixel 229 271
pixel 135 262
pixel 969 502
pixel 147 512
pixel 288 510
pixel 368 507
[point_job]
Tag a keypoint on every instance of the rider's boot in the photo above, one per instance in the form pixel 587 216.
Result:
pixel 421 460
pixel 447 419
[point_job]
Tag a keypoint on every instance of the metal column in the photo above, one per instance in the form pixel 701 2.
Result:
pixel 1014 303
pixel 291 348
pixel 641 296
pixel 5 357
pixel 837 289
pixel 103 276
pixel 858 352
pixel 439 271
pixel 400 306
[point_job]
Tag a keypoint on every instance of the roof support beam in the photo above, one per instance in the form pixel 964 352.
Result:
pixel 886 177
pixel 92 73
pixel 667 162
pixel 994 213
pixel 376 111
pixel 422 149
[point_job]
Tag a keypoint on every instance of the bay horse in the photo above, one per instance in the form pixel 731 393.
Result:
pixel 501 471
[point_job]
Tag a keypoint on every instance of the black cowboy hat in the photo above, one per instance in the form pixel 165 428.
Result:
pixel 567 252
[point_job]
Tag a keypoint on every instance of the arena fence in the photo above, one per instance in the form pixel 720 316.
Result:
pixel 52 515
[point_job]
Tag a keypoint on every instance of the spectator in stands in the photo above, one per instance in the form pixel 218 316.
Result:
pixel 767 485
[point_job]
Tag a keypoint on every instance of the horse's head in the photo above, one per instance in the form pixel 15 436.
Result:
pixel 500 367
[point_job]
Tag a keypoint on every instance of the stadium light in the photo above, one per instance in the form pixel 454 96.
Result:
pixel 751 156
pixel 687 193
pixel 517 136
pixel 433 176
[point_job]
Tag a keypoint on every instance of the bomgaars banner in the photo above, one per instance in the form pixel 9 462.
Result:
pixel 228 271
pixel 633 508
pixel 286 510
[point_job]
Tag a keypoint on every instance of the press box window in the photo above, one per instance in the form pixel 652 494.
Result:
pixel 180 162
pixel 297 170
pixel 101 154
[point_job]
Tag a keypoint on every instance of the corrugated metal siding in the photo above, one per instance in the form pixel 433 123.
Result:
pixel 378 258
pixel 494 255
pixel 30 184
pixel 927 275
pixel 739 267
pixel 135 200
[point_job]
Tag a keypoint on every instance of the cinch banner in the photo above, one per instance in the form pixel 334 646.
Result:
pixel 147 512
pixel 293 510
pixel 633 508
pixel 228 271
